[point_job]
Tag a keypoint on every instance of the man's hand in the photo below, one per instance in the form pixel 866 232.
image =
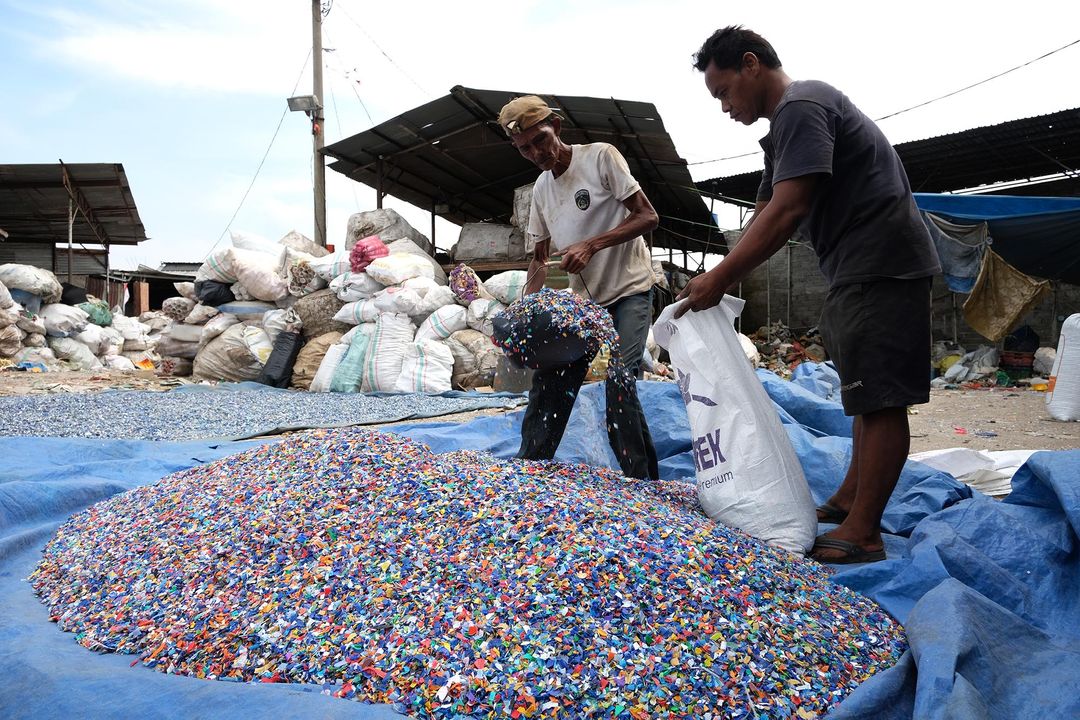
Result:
pixel 576 257
pixel 702 292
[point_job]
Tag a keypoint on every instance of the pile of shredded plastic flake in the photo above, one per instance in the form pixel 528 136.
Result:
pixel 459 585
pixel 571 315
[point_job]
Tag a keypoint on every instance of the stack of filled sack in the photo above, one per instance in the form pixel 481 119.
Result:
pixel 45 327
pixel 378 315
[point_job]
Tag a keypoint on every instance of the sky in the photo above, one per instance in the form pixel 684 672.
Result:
pixel 188 94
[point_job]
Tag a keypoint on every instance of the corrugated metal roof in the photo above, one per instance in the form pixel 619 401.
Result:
pixel 452 151
pixel 34 202
pixel 1015 150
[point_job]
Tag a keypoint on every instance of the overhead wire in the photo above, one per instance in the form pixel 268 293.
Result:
pixel 384 53
pixel 346 74
pixel 923 104
pixel 281 120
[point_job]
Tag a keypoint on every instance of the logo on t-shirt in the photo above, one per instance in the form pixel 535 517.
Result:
pixel 581 197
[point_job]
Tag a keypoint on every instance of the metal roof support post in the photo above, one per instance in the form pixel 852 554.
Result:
pixel 71 235
pixel 107 283
pixel 378 183
pixel 432 227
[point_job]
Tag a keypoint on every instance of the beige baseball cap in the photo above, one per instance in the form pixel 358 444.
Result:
pixel 523 112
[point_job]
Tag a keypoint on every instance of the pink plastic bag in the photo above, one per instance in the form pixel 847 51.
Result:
pixel 365 250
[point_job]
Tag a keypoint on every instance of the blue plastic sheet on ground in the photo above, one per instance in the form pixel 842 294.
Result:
pixel 44 673
pixel 989 591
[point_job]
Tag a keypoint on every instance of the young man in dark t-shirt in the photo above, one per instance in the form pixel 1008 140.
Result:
pixel 830 171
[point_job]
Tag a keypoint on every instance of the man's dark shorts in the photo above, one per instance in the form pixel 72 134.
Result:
pixel 878 336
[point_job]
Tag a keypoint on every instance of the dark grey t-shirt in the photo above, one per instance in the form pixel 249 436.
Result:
pixel 863 223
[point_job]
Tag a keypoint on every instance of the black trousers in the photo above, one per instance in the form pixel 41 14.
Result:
pixel 554 391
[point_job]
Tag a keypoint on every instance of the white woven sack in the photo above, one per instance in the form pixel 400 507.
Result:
pixel 350 286
pixel 255 243
pixel 382 365
pixel 94 337
pixel 218 267
pixel 260 274
pixel 397 268
pixel 427 368
pixel 214 327
pixel 443 323
pixel 332 266
pixel 397 300
pixel 329 364
pixel 63 320
pixel 33 280
pixel 420 285
pixel 481 314
pixel 748 475
pixel 1063 398
pixel 436 298
pixel 365 328
pixel 258 343
pixel 507 287
pixel 355 313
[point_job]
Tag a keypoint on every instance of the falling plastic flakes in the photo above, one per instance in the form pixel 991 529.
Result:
pixel 459 585
pixel 571 316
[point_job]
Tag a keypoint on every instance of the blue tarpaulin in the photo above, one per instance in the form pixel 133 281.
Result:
pixel 1036 235
pixel 989 591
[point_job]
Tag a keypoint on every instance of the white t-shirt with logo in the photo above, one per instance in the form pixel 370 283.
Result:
pixel 583 202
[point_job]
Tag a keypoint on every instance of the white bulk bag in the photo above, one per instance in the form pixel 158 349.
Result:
pixel 258 343
pixel 94 337
pixel 397 300
pixel 329 365
pixel 1063 397
pixel 482 312
pixel 355 313
pixel 382 365
pixel 427 368
pixel 397 268
pixel 63 320
pixel 748 475
pixel 350 286
pixel 332 266
pixel 70 349
pixel 33 280
pixel 443 323
pixel 507 287
pixel 436 298
pixel 420 285
pixel 215 326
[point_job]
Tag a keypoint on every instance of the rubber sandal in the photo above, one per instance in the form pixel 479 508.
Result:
pixel 831 514
pixel 852 552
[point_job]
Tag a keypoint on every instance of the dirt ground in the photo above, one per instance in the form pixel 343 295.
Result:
pixel 993 419
pixel 988 419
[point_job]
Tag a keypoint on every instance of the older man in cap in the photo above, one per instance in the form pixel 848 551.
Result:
pixel 588 205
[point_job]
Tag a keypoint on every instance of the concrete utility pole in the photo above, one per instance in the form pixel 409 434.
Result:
pixel 317 122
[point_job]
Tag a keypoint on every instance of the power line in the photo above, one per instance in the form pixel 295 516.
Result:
pixel 922 104
pixel 992 77
pixel 341 132
pixel 265 155
pixel 384 53
pixel 352 83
